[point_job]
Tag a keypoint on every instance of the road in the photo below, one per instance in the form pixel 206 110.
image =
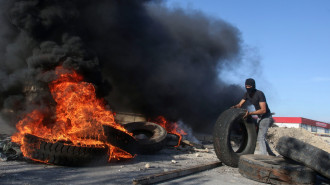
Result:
pixel 25 172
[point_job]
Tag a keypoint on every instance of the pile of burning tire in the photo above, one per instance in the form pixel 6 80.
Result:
pixel 235 142
pixel 147 138
pixel 80 129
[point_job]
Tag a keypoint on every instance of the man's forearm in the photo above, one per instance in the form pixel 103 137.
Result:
pixel 240 104
pixel 237 106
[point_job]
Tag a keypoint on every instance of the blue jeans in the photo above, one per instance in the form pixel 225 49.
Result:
pixel 264 124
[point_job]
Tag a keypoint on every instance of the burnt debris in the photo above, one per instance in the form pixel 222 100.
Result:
pixel 9 150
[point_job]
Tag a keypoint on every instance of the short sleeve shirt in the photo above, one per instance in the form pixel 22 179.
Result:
pixel 257 97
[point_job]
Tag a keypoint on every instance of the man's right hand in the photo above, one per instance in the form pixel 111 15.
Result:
pixel 239 105
pixel 246 114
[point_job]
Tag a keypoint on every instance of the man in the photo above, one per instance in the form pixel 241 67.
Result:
pixel 265 120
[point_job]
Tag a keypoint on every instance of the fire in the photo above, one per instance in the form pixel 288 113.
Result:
pixel 79 115
pixel 170 127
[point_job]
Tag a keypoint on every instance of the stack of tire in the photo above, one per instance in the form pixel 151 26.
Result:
pixel 300 163
pixel 67 154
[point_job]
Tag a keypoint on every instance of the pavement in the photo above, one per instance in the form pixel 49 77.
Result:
pixel 29 172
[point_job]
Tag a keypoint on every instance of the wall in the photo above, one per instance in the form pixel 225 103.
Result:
pixel 289 125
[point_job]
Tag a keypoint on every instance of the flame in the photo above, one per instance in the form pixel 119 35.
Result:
pixel 79 116
pixel 170 127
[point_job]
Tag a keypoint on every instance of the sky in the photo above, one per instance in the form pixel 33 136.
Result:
pixel 291 41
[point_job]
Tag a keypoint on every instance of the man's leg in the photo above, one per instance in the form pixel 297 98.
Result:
pixel 264 124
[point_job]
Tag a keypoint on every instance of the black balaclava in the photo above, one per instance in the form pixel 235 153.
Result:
pixel 251 82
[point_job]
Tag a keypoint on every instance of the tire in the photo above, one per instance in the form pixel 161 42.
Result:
pixel 231 123
pixel 172 140
pixel 313 157
pixel 120 139
pixel 155 136
pixel 274 170
pixel 64 153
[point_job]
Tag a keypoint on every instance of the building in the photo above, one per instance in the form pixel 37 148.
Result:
pixel 299 122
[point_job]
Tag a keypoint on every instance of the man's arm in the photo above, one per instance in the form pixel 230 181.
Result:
pixel 240 104
pixel 262 110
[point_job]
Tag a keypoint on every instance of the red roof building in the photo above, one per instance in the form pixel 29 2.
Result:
pixel 299 122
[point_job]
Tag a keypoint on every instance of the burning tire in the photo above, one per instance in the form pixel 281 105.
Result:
pixel 274 170
pixel 120 139
pixel 62 153
pixel 151 137
pixel 315 158
pixel 172 140
pixel 233 136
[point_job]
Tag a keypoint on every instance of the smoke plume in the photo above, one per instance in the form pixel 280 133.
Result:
pixel 141 56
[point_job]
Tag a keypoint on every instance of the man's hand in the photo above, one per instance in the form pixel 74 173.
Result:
pixel 246 114
pixel 239 105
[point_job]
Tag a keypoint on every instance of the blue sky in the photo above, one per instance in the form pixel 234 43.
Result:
pixel 292 41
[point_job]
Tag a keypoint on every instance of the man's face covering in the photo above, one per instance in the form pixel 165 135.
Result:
pixel 250 86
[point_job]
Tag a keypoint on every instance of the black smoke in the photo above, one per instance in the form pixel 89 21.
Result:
pixel 141 56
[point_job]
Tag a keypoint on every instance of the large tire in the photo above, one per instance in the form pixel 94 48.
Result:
pixel 62 153
pixel 155 136
pixel 230 122
pixel 274 170
pixel 315 158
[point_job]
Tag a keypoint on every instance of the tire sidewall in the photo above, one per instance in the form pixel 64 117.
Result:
pixel 153 144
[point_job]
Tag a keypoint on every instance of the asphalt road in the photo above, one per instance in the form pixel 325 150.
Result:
pixel 15 172
pixel 28 172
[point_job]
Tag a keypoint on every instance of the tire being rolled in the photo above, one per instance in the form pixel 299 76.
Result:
pixel 228 121
pixel 155 136
pixel 66 154
pixel 311 156
pixel 275 170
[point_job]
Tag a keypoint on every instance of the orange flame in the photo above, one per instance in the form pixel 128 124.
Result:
pixel 170 127
pixel 79 115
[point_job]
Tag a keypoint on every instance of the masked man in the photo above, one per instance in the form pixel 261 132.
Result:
pixel 265 120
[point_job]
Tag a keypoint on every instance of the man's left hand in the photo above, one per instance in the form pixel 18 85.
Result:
pixel 246 114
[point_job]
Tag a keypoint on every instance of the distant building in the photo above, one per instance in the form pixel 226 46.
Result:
pixel 299 122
